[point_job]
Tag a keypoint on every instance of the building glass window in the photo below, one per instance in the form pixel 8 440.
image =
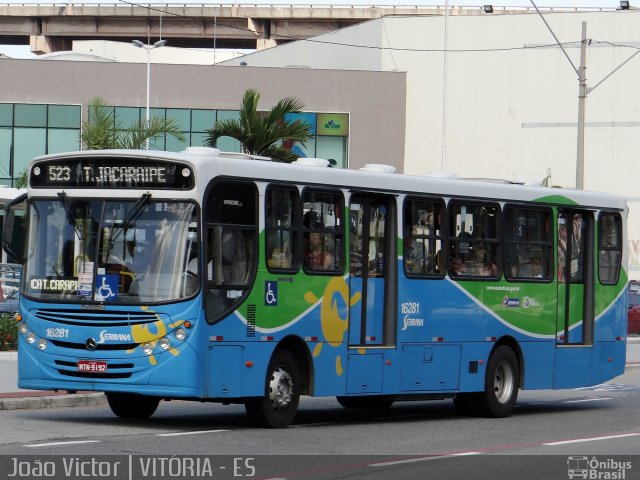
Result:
pixel 6 114
pixel 27 144
pixel 31 130
pixel 202 120
pixel 181 117
pixel 127 115
pixel 62 140
pixel 30 115
pixel 332 148
pixel 64 116
pixel 5 152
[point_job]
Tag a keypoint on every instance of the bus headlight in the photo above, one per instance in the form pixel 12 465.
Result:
pixel 31 337
pixel 22 328
pixel 147 348
pixel 42 344
pixel 181 334
pixel 164 343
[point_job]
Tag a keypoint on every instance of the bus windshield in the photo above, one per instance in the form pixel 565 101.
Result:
pixel 123 252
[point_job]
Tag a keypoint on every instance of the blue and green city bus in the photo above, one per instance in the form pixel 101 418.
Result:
pixel 222 277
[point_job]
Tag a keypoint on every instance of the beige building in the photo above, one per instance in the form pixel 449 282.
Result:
pixel 507 98
pixel 511 108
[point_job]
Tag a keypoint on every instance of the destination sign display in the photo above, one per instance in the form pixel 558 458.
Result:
pixel 111 173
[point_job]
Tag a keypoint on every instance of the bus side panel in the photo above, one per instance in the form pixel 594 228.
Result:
pixel 539 359
pixel 572 367
pixel 436 308
pixel 430 367
pixel 602 363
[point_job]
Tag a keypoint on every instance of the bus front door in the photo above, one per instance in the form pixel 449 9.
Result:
pixel 575 315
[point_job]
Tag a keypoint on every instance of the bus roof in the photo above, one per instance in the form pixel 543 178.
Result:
pixel 209 162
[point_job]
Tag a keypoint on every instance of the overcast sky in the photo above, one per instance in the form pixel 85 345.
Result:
pixel 23 51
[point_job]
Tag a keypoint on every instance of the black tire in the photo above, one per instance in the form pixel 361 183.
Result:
pixel 376 402
pixel 279 406
pixel 501 384
pixel 130 405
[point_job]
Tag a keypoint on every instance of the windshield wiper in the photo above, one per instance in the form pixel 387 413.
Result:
pixel 71 218
pixel 134 213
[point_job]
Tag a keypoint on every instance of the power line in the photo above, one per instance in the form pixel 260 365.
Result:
pixel 353 45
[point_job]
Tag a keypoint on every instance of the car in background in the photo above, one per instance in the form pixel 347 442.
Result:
pixel 633 317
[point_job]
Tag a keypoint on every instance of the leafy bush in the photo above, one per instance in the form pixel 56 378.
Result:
pixel 8 332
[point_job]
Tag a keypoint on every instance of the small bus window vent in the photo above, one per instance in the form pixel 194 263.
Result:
pixel 378 168
pixel 251 321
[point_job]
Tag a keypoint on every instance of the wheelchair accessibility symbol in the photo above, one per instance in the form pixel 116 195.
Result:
pixel 271 294
pixel 107 287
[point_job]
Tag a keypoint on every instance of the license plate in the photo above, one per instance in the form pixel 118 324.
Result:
pixel 94 366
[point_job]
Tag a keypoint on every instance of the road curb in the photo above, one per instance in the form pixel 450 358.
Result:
pixel 74 400
pixel 11 356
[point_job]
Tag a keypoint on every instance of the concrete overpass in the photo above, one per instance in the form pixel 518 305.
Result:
pixel 52 27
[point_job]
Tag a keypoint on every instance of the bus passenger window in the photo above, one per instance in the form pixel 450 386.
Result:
pixel 282 229
pixel 474 246
pixel 323 231
pixel 422 237
pixel 528 243
pixel 609 248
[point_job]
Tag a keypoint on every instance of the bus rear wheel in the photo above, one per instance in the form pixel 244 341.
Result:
pixel 279 406
pixel 130 405
pixel 501 385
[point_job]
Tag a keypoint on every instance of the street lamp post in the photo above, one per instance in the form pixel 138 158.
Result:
pixel 148 48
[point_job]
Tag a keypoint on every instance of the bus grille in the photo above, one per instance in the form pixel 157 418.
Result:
pixel 97 318
pixel 99 346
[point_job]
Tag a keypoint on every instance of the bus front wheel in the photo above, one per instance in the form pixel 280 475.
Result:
pixel 502 382
pixel 278 407
pixel 129 405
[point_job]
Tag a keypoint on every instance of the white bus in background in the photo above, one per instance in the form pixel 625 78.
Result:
pixel 10 269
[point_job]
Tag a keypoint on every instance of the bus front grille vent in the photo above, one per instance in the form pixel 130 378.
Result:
pixel 99 346
pixel 97 318
pixel 251 321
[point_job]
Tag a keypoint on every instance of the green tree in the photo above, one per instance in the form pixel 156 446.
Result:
pixel 103 130
pixel 261 132
pixel 21 181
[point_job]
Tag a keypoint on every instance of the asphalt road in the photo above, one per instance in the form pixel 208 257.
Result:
pixel 550 432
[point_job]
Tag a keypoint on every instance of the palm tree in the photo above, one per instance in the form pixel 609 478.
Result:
pixel 103 130
pixel 260 133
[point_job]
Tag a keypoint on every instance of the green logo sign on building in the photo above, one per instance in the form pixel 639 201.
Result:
pixel 335 124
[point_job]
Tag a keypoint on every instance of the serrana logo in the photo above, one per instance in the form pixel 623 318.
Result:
pixel 332 125
pixel 105 336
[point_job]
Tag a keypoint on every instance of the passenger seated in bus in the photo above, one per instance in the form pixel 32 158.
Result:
pixel 136 258
pixel 413 252
pixel 456 266
pixel 490 270
pixel 316 256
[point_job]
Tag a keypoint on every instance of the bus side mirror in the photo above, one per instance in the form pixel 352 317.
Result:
pixel 13 231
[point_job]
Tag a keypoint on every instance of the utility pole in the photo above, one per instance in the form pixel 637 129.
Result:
pixel 583 90
pixel 582 96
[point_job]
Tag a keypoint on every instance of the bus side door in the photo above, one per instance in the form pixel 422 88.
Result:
pixel 575 315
